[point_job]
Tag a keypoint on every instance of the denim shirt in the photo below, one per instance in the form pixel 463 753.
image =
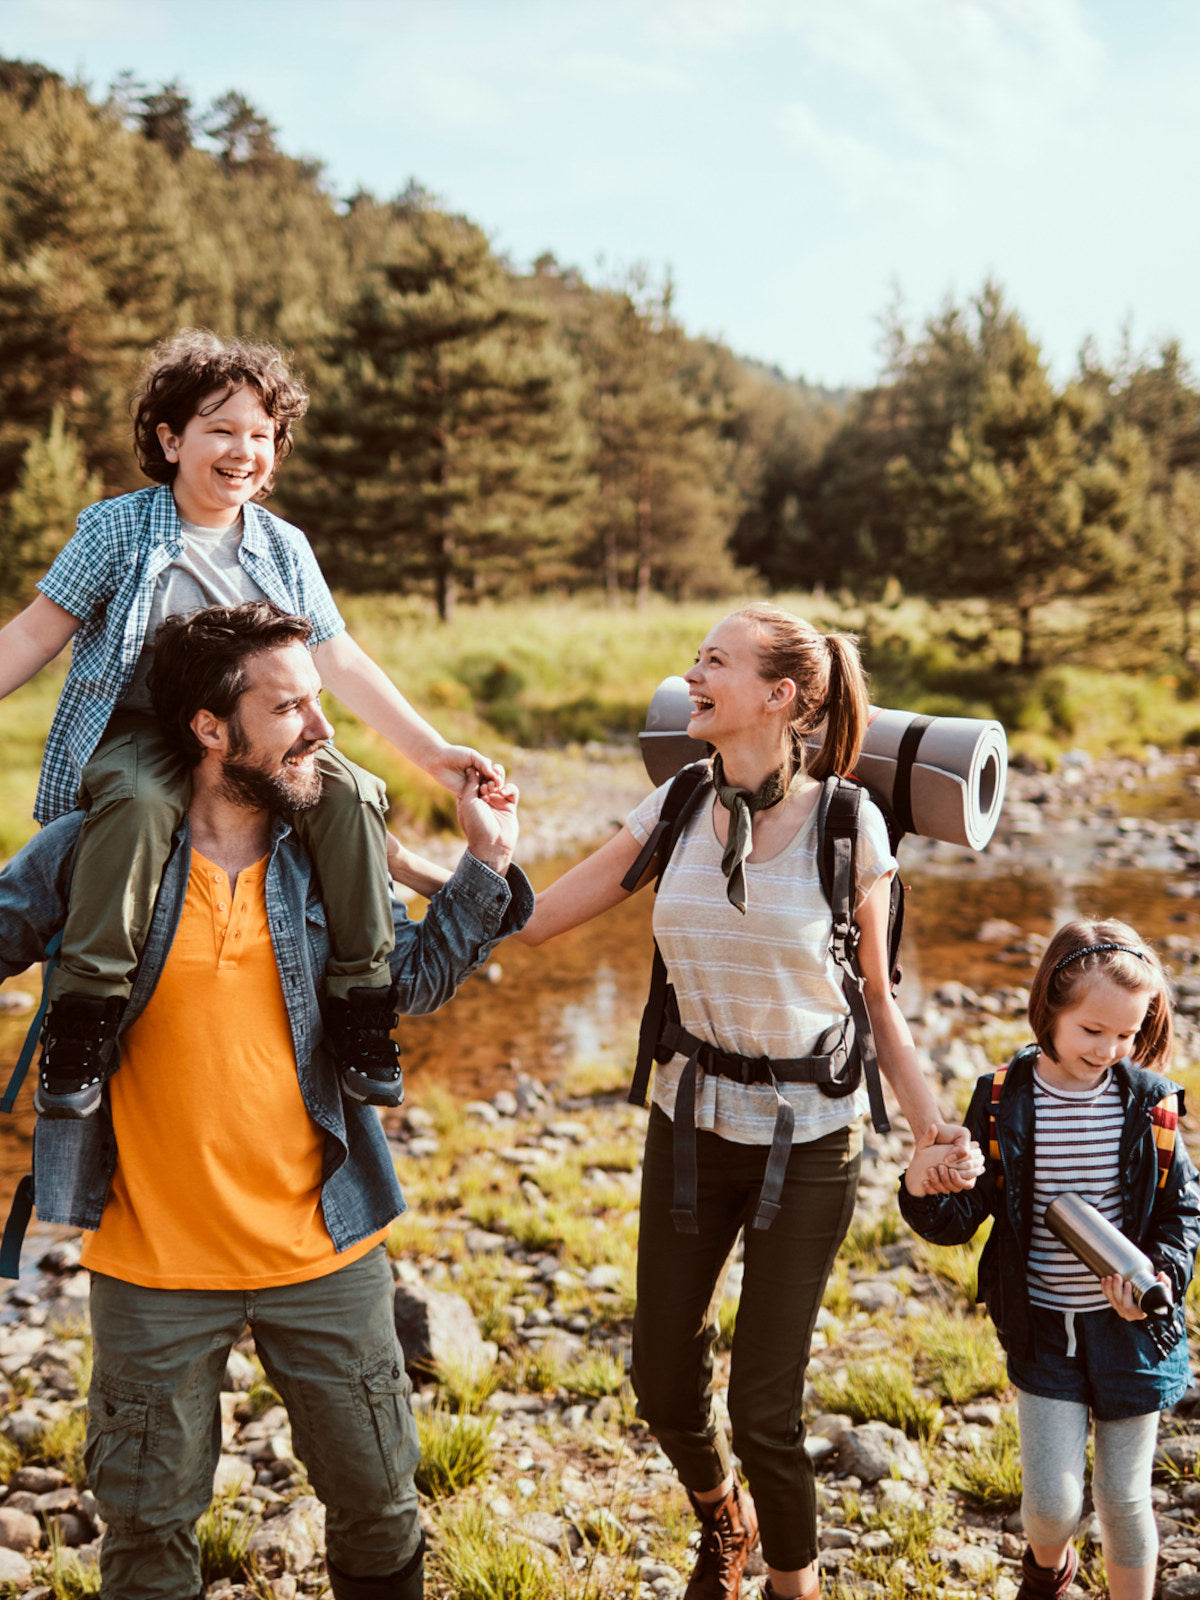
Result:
pixel 74 1161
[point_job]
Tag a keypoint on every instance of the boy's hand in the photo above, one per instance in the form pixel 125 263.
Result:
pixel 487 815
pixel 1119 1294
pixel 455 765
pixel 938 1167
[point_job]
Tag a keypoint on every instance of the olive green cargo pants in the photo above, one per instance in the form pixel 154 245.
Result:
pixel 137 790
pixel 154 1419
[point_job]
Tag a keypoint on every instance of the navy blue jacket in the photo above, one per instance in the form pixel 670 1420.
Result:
pixel 1165 1222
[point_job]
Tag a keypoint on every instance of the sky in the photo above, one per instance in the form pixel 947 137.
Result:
pixel 793 164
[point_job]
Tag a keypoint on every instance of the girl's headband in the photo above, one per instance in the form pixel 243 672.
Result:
pixel 1095 949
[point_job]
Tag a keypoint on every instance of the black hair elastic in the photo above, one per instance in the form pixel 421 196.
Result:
pixel 1095 949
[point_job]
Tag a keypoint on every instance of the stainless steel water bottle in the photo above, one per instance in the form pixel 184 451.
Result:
pixel 1106 1251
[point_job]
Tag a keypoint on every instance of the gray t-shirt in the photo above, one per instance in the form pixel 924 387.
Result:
pixel 206 573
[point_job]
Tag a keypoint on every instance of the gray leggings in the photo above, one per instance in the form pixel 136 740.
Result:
pixel 1053 1452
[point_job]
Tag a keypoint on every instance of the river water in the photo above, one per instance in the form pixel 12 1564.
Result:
pixel 579 998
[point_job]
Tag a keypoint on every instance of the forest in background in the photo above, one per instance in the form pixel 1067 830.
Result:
pixel 481 432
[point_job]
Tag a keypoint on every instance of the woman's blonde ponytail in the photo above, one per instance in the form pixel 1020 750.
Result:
pixel 847 710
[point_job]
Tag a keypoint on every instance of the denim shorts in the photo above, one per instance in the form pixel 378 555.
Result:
pixel 1114 1369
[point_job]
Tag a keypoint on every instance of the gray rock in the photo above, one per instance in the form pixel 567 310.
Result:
pixel 1185 1587
pixel 556 1533
pixel 240 1373
pixel 233 1476
pixel 874 1452
pixel 876 1294
pixel 603 1277
pixel 19 1530
pixel 14 1568
pixel 897 1495
pixel 1183 1451
pixel 438 1329
pixel 293 1539
pixel 482 1111
pixel 504 1102
pixel 837 1539
pixel 479 1242
pixel 69 1528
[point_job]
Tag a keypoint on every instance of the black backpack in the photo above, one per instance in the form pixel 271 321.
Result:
pixel 835 1073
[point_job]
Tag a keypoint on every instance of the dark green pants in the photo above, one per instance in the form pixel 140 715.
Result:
pixel 154 1418
pixel 680 1278
pixel 136 791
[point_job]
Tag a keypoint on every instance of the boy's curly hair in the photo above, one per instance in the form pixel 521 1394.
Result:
pixel 193 364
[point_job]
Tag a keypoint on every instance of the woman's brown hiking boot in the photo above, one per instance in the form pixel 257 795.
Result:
pixel 728 1533
pixel 1041 1583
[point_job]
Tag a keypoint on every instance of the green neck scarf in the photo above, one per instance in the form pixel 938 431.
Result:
pixel 741 804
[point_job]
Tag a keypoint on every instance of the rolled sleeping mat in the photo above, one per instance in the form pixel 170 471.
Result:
pixel 943 777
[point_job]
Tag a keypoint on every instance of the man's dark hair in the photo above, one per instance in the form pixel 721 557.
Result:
pixel 185 369
pixel 200 664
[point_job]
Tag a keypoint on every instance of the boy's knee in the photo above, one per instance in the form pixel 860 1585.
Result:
pixel 120 773
pixel 346 785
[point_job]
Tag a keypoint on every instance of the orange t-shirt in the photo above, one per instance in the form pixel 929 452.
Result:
pixel 218 1179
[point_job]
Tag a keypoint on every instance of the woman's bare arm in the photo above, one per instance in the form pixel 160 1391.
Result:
pixel 586 891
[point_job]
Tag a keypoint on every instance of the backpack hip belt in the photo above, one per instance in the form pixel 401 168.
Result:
pixel 823 1069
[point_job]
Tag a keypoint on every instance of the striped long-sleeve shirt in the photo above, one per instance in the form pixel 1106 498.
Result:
pixel 1077 1141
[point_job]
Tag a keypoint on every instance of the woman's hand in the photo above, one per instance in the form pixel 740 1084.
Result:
pixel 1119 1294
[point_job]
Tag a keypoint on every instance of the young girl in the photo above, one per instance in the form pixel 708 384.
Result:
pixel 1082 1110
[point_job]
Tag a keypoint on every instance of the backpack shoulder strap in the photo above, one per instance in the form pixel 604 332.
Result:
pixel 1165 1117
pixel 679 802
pixel 687 790
pixel 993 1145
pixel 838 818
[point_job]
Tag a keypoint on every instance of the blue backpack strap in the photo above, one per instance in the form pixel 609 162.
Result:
pixel 14 1229
pixel 21 1209
pixel 9 1099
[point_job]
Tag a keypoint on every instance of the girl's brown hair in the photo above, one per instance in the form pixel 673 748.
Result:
pixel 184 370
pixel 1082 950
pixel 831 687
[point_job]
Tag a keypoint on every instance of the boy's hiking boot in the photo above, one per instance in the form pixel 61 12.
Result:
pixel 79 1053
pixel 1042 1583
pixel 728 1533
pixel 359 1032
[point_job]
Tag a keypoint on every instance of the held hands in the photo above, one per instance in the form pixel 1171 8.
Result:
pixel 1119 1294
pixel 455 766
pixel 945 1161
pixel 487 815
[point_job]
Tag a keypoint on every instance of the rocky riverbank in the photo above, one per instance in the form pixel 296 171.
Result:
pixel 514 1276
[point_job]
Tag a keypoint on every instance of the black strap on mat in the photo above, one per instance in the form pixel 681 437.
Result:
pixel 906 758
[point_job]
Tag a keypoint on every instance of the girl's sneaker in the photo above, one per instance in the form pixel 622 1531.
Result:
pixel 1041 1583
pixel 358 1030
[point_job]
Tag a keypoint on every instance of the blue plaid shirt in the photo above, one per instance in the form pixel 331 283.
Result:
pixel 106 576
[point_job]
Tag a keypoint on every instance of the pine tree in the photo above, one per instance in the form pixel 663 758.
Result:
pixel 1021 507
pixel 53 487
pixel 91 239
pixel 444 448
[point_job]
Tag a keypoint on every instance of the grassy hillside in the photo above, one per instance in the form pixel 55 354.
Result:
pixel 562 672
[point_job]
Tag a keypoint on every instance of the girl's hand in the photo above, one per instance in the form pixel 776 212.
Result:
pixel 456 767
pixel 940 1168
pixel 1119 1294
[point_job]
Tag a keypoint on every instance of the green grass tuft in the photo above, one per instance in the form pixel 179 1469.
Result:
pixel 481 1560
pixel 223 1534
pixel 456 1451
pixel 882 1391
pixel 991 1475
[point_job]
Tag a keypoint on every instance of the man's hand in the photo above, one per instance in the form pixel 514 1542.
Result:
pixel 943 1166
pixel 455 766
pixel 487 815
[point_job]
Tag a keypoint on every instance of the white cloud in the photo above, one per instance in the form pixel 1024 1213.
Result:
pixel 621 75
pixel 82 21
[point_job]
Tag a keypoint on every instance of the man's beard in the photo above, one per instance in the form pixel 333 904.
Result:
pixel 288 789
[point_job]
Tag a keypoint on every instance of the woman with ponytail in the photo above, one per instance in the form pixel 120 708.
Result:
pixel 745 929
